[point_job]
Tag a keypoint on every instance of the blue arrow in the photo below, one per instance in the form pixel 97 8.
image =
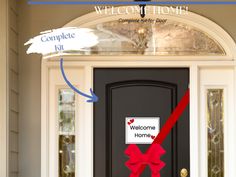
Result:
pixel 92 98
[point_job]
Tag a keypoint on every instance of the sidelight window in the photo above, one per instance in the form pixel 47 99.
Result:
pixel 215 115
pixel 66 111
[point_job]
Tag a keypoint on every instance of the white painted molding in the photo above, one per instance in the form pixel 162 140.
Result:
pixel 195 63
pixel 194 121
pixel 192 19
pixel 4 88
pixel 44 120
pixel 218 78
pixel 87 149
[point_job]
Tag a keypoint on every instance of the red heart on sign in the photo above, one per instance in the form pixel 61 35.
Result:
pixel 129 123
pixel 132 121
pixel 153 137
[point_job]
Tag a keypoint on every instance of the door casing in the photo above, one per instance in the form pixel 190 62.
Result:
pixel 197 148
pixel 196 65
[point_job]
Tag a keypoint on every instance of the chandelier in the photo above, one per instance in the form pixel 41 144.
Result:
pixel 142 7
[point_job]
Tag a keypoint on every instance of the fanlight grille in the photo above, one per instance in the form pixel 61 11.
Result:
pixel 159 37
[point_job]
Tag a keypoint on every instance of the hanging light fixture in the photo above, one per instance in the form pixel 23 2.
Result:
pixel 142 7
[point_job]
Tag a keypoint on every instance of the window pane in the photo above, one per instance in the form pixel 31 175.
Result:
pixel 66 111
pixel 66 108
pixel 162 38
pixel 67 156
pixel 215 133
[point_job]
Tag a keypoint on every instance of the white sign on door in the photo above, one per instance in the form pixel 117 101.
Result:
pixel 141 130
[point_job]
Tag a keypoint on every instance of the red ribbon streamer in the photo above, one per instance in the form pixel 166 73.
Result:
pixel 173 118
pixel 142 162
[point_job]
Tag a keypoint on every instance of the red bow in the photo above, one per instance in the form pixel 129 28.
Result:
pixel 138 160
pixel 151 158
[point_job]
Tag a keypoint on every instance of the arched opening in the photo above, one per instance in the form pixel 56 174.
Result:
pixel 182 35
pixel 160 43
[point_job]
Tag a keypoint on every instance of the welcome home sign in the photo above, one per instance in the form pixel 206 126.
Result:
pixel 141 130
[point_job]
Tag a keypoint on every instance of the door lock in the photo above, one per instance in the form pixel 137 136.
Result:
pixel 183 172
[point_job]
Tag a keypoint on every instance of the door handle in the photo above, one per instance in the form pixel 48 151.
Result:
pixel 183 172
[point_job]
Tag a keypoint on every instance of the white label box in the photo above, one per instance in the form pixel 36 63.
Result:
pixel 141 130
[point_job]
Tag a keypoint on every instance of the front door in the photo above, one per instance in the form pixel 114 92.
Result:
pixel 145 92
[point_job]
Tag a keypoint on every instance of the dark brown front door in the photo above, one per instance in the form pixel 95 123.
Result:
pixel 138 93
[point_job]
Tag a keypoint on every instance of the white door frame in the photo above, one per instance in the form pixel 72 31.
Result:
pixel 218 78
pixel 3 88
pixel 88 63
pixel 86 149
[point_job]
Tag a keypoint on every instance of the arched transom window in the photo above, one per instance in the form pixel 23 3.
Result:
pixel 155 35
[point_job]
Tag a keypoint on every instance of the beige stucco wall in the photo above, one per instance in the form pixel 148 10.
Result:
pixel 36 18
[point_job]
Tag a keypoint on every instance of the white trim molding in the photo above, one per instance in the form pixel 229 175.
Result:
pixel 218 78
pixel 3 88
pixel 87 65
pixel 196 144
pixel 199 22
